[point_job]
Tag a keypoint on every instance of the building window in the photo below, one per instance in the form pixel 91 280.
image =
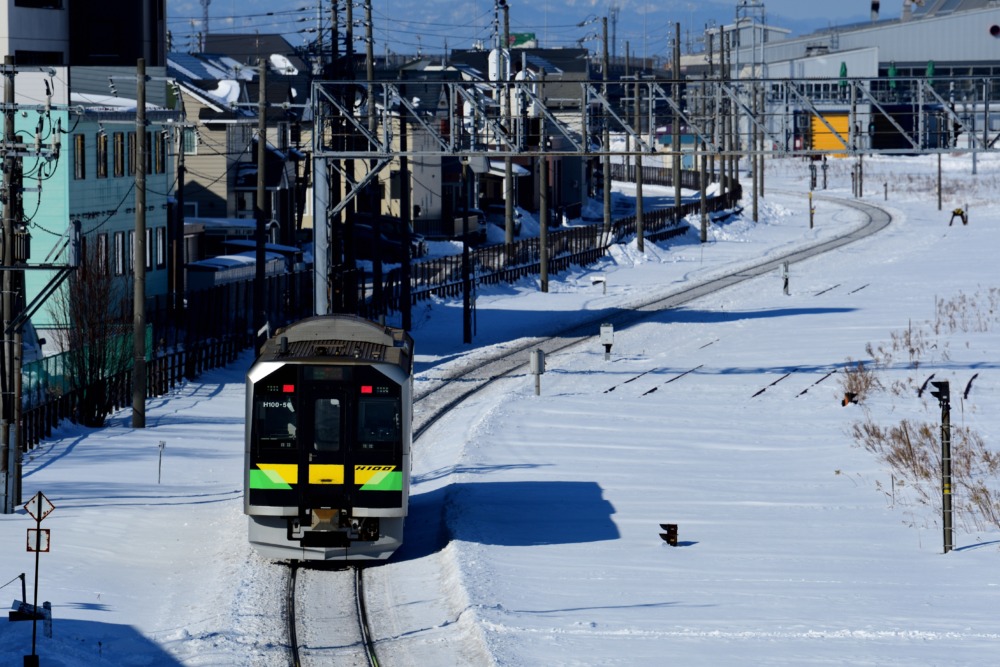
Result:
pixel 102 154
pixel 160 158
pixel 119 141
pixel 119 253
pixel 190 140
pixel 149 248
pixel 161 247
pixel 149 152
pixel 131 153
pixel 102 254
pixel 79 157
pixel 83 254
pixel 23 57
pixel 39 4
pixel 130 265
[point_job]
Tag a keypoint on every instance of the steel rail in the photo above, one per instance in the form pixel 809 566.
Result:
pixel 293 640
pixel 366 635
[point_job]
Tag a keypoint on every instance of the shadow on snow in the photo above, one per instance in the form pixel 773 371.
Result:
pixel 516 514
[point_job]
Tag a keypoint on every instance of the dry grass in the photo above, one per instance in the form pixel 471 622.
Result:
pixel 911 449
pixel 859 381
pixel 913 453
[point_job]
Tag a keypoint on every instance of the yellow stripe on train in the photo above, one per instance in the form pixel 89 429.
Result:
pixel 285 472
pixel 326 474
pixel 365 474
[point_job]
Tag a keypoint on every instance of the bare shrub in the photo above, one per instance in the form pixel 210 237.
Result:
pixel 977 313
pixel 912 451
pixel 95 312
pixel 859 380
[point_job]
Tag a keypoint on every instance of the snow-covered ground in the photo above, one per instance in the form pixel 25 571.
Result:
pixel 796 545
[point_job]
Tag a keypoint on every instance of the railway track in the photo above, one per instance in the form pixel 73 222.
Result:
pixel 322 630
pixel 455 387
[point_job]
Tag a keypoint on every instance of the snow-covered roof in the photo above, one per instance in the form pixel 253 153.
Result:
pixel 282 64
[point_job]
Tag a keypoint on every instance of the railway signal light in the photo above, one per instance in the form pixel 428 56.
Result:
pixel 942 392
pixel 670 537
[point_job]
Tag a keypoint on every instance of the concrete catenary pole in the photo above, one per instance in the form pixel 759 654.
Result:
pixel 139 254
pixel 677 121
pixel 639 208
pixel 259 307
pixel 606 135
pixel 508 164
pixel 9 471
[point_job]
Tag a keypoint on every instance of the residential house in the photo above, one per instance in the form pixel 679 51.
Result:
pixel 219 95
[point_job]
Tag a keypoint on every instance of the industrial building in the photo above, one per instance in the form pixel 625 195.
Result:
pixel 930 75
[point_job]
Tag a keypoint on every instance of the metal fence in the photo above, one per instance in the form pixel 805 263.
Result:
pixel 574 246
pixel 207 331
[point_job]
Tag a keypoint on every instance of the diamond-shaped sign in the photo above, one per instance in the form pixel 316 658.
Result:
pixel 39 506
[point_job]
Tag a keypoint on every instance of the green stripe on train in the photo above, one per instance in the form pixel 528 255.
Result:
pixel 264 479
pixel 385 481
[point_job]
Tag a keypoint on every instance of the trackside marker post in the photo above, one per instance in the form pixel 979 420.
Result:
pixel 607 339
pixel 159 468
pixel 537 368
pixel 38 507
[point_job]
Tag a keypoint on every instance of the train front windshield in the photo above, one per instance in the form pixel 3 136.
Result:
pixel 327 410
pixel 276 419
pixel 326 424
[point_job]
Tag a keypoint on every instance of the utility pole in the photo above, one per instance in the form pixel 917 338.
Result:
pixel 466 268
pixel 259 307
pixel 139 253
pixel 677 121
pixel 334 31
pixel 763 137
pixel 703 180
pixel 752 132
pixel 9 450
pixel 639 207
pixel 319 37
pixel 543 220
pixel 177 232
pixel 543 214
pixel 606 135
pixel 508 163
pixel 13 258
pixel 725 138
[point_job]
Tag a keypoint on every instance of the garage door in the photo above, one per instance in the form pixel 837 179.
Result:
pixel 825 140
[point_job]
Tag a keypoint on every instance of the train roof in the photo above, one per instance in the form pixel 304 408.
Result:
pixel 221 262
pixel 346 337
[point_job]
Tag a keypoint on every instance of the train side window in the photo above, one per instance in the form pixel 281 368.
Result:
pixel 327 426
pixel 378 421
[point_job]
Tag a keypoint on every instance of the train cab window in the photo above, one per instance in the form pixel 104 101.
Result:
pixel 276 422
pixel 378 423
pixel 327 425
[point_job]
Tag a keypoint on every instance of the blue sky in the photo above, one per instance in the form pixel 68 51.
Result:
pixel 406 27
